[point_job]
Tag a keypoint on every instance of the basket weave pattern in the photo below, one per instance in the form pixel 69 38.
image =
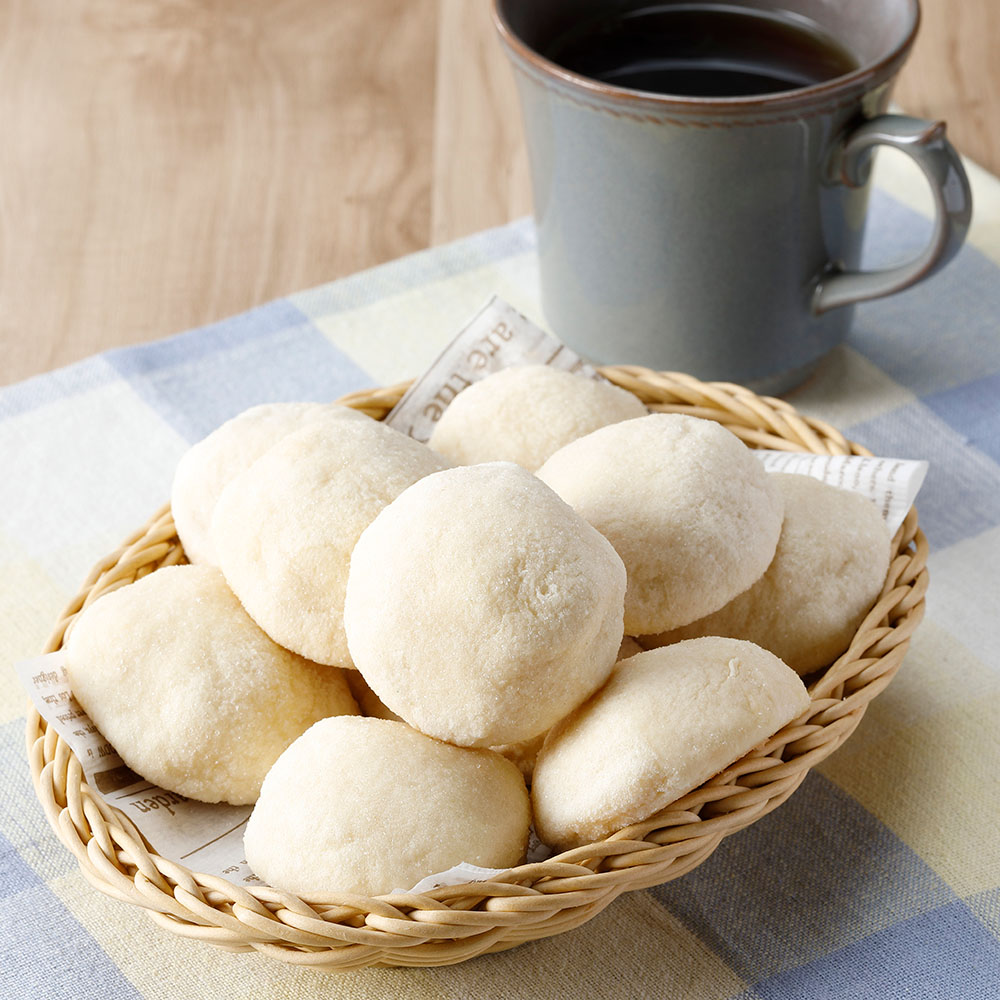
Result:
pixel 450 924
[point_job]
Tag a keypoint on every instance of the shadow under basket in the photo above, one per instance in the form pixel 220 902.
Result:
pixel 454 923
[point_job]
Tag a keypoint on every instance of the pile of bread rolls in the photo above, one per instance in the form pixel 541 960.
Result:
pixel 383 644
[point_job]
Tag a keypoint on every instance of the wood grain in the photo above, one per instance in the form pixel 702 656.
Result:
pixel 170 162
pixel 481 174
pixel 954 74
pixel 166 163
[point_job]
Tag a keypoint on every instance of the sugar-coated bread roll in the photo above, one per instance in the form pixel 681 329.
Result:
pixel 358 805
pixel 206 468
pixel 525 754
pixel 522 754
pixel 190 692
pixel 480 608
pixel 284 529
pixel 525 413
pixel 828 569
pixel 666 721
pixel 689 509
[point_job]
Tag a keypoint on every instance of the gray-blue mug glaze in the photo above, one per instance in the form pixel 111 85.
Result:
pixel 720 236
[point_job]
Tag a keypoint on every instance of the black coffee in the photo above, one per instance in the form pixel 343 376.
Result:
pixel 701 50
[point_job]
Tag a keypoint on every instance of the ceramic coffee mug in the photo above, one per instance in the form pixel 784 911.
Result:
pixel 719 235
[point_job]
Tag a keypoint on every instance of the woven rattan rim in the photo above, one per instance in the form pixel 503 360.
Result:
pixel 450 924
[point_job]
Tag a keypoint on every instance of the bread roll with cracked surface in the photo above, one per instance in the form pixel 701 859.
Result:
pixel 480 608
pixel 525 413
pixel 392 807
pixel 284 529
pixel 829 567
pixel 666 721
pixel 206 468
pixel 189 691
pixel 689 509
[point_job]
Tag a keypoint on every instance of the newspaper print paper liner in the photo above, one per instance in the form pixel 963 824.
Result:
pixel 450 924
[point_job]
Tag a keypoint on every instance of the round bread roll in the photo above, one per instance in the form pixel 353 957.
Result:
pixel 525 753
pixel 525 413
pixel 284 529
pixel 480 608
pixel 370 704
pixel 393 806
pixel 206 468
pixel 667 721
pixel 190 692
pixel 828 569
pixel 522 754
pixel 689 509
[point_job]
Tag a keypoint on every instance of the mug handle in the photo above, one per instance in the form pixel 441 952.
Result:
pixel 925 142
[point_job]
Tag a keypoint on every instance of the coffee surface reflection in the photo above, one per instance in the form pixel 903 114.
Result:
pixel 701 50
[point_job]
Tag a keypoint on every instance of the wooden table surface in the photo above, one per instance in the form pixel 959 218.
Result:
pixel 165 163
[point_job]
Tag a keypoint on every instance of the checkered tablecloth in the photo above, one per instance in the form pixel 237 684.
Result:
pixel 879 878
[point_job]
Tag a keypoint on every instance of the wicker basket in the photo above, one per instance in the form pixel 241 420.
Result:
pixel 450 924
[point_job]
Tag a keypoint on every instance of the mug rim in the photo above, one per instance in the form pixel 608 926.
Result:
pixel 882 68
